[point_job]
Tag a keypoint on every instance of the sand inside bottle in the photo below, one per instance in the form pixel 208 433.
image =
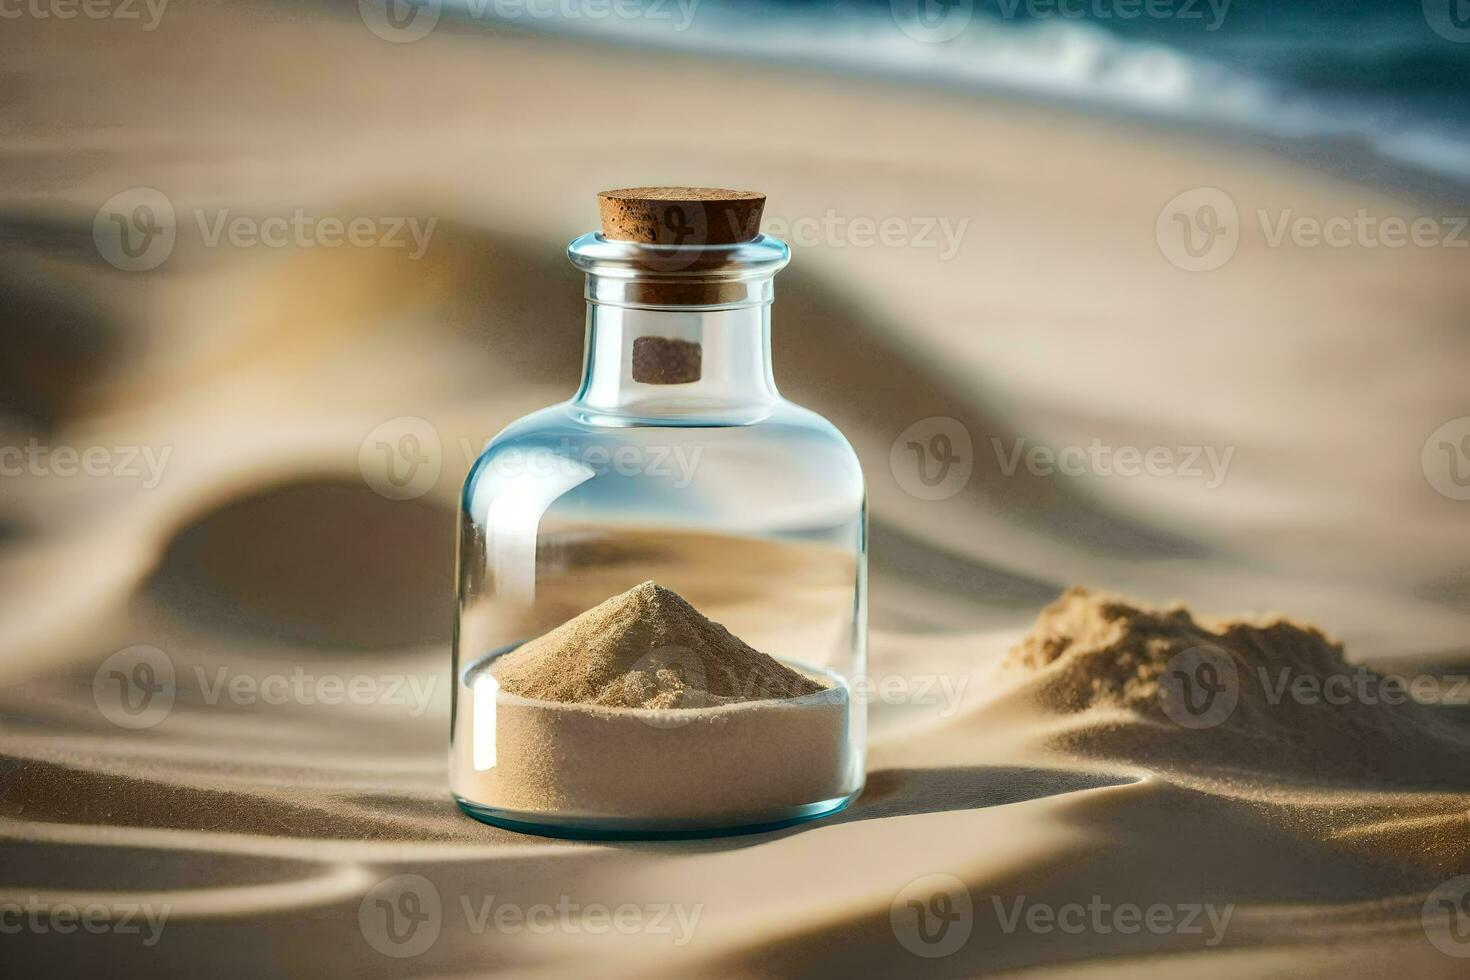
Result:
pixel 642 709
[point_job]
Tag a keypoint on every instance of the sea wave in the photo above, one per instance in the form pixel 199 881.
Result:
pixel 1278 79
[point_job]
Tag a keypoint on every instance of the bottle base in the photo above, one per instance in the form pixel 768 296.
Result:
pixel 612 828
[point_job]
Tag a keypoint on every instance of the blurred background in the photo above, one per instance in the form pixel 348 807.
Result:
pixel 1181 284
pixel 1151 224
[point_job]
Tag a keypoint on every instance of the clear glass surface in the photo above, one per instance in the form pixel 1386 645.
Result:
pixel 750 507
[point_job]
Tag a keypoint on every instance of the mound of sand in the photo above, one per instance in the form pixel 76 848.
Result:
pixel 646 648
pixel 1167 689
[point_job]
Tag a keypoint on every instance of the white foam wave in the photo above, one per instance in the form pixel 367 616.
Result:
pixel 1070 61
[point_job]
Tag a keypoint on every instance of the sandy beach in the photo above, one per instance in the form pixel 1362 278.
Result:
pixel 250 539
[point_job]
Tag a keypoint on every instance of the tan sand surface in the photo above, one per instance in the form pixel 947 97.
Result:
pixel 265 828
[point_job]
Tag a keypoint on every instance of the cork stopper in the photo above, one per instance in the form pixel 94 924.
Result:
pixel 681 215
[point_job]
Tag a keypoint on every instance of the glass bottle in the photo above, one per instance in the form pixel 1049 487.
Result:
pixel 677 461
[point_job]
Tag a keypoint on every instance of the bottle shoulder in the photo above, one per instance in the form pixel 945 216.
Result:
pixel 819 425
pixel 790 449
pixel 562 423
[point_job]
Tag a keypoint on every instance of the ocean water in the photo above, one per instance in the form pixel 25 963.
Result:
pixel 1384 79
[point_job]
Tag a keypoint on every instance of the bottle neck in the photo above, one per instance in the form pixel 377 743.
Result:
pixel 677 366
pixel 677 335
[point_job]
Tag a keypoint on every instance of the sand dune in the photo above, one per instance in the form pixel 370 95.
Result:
pixel 262 549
